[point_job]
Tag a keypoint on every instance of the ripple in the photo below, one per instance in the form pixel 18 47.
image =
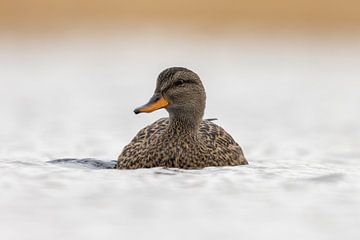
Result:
pixel 328 178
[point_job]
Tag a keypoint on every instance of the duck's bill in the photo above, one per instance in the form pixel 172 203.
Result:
pixel 154 104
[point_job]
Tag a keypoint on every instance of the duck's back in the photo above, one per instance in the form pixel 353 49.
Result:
pixel 222 148
pixel 152 147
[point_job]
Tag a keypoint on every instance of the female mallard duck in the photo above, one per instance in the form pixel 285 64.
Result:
pixel 184 140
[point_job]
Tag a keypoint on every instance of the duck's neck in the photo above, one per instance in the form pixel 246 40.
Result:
pixel 185 122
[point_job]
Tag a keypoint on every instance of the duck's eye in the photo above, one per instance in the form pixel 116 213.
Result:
pixel 179 82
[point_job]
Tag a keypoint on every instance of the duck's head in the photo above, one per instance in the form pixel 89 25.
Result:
pixel 180 92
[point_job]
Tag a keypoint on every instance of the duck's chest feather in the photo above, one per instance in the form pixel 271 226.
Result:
pixel 178 151
pixel 157 146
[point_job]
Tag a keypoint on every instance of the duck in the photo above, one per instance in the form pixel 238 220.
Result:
pixel 184 139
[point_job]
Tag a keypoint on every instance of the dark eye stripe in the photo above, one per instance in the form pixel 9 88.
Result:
pixel 182 81
pixel 179 82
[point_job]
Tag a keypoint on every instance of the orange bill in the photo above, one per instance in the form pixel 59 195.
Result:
pixel 154 104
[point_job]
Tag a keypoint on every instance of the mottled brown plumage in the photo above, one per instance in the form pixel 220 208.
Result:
pixel 183 140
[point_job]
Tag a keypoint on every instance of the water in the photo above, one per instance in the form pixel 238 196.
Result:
pixel 67 112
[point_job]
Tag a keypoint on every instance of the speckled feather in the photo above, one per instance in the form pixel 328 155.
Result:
pixel 184 140
pixel 157 145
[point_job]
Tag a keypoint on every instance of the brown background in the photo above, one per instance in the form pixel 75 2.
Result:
pixel 35 15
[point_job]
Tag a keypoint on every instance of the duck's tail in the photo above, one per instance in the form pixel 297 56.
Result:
pixel 211 119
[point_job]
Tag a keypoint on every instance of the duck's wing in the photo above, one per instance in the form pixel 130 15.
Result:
pixel 135 151
pixel 221 144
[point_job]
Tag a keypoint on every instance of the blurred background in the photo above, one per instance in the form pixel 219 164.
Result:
pixel 56 15
pixel 282 76
pixel 78 67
